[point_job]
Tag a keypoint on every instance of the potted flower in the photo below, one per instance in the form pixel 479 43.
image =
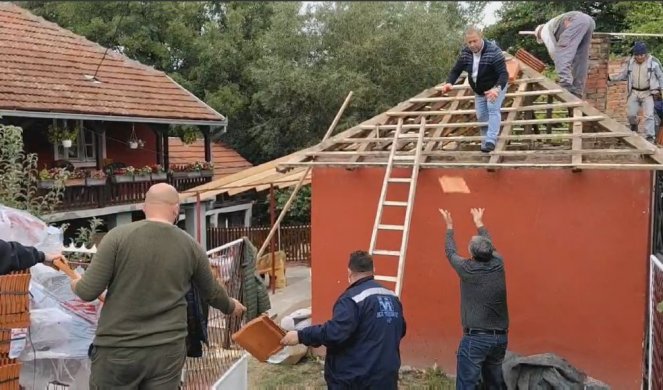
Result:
pixel 75 178
pixel 50 178
pixel 61 134
pixel 179 171
pixel 123 175
pixel 158 173
pixel 143 174
pixel 205 168
pixel 96 177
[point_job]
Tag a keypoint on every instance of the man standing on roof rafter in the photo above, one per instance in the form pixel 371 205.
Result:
pixel 484 63
pixel 568 38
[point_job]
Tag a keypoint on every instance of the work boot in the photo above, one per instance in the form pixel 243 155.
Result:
pixel 634 128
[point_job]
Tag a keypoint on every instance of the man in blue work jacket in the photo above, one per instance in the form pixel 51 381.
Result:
pixel 364 334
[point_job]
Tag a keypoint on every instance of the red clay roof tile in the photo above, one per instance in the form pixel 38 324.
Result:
pixel 43 68
pixel 226 160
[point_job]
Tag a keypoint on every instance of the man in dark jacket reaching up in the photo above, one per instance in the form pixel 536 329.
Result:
pixel 484 63
pixel 363 337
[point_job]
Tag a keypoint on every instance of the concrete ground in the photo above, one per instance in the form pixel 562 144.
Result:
pixel 295 295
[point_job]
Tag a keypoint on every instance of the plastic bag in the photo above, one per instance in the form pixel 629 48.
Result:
pixel 73 373
pixel 297 320
pixel 25 228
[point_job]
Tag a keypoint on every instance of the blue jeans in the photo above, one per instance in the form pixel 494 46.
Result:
pixel 481 356
pixel 489 112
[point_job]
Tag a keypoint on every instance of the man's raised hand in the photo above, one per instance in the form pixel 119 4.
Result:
pixel 447 218
pixel 477 216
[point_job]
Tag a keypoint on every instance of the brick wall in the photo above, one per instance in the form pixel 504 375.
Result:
pixel 596 87
pixel 616 103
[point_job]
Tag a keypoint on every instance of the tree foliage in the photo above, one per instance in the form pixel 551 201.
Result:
pixel 19 177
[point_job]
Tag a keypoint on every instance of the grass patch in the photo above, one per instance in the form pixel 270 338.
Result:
pixel 308 375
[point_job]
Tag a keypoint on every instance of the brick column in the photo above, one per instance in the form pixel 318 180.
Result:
pixel 596 88
pixel 616 102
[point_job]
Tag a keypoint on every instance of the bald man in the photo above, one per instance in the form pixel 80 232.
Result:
pixel 148 267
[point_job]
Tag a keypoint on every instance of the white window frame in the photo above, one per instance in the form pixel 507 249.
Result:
pixel 78 144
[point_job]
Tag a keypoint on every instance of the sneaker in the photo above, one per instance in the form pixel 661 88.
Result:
pixel 489 147
pixel 651 139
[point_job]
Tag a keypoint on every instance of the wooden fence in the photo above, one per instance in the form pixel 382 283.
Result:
pixel 294 240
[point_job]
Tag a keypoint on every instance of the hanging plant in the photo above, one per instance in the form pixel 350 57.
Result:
pixel 62 134
pixel 134 142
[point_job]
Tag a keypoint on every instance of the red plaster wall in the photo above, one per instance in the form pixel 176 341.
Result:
pixel 575 247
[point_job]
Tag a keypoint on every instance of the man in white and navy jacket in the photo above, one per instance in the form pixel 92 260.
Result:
pixel 364 335
pixel 484 63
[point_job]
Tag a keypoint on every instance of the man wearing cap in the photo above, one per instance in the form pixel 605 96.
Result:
pixel 644 81
pixel 483 307
pixel 568 38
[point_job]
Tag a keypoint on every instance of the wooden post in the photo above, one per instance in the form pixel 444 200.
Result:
pixel 303 178
pixel 272 217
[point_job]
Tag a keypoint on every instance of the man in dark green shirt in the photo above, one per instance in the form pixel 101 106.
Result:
pixel 147 267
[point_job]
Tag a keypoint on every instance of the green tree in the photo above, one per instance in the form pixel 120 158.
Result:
pixel 643 17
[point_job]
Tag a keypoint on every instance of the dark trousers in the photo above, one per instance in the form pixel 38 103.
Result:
pixel 144 368
pixel 388 381
pixel 481 356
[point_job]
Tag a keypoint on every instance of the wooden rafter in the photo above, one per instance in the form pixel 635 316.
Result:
pixel 506 128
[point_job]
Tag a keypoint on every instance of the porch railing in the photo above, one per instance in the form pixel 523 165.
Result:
pixel 81 194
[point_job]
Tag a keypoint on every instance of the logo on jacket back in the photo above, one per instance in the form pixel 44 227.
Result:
pixel 386 308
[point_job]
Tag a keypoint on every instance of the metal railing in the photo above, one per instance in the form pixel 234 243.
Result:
pixel 221 353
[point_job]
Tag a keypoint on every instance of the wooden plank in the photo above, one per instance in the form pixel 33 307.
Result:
pixel 466 85
pixel 473 138
pixel 506 126
pixel 450 165
pixel 576 143
pixel 470 153
pixel 507 122
pixel 447 117
pixel 607 123
pixel 513 94
pixel 533 107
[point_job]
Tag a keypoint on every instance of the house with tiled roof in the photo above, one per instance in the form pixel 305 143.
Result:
pixel 103 117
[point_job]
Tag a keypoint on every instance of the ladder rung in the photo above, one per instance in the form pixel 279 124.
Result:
pixel 386 253
pixel 395 203
pixel 391 227
pixel 400 179
pixel 386 278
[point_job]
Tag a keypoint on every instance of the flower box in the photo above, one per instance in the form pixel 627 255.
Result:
pixel 122 178
pixel 46 184
pixel 74 182
pixel 163 176
pixel 184 175
pixel 95 181
pixel 207 173
pixel 142 177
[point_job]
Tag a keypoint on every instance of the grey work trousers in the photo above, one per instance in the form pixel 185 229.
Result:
pixel 644 100
pixel 572 52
